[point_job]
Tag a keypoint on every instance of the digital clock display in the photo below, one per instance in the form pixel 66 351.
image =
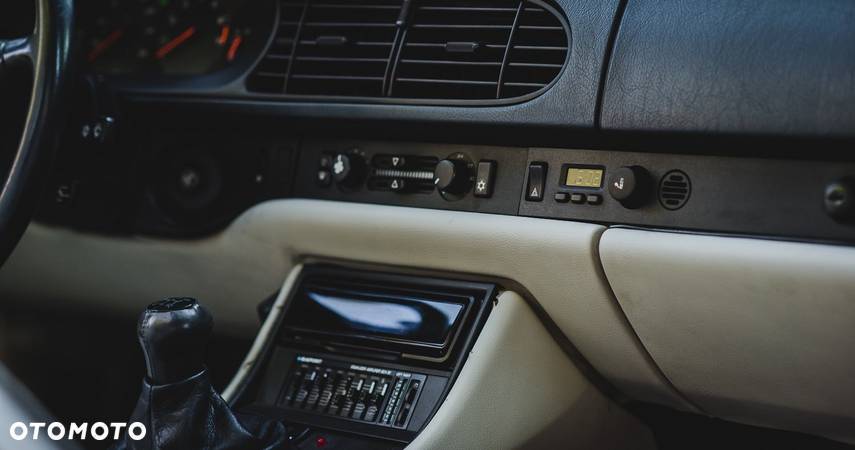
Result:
pixel 584 177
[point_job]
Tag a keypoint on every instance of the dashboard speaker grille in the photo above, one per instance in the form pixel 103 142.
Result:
pixel 417 51
pixel 674 190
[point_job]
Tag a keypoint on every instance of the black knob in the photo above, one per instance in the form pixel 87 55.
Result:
pixel 839 199
pixel 348 169
pixel 173 334
pixel 631 186
pixel 451 176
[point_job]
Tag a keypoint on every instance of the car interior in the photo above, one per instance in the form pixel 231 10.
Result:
pixel 428 224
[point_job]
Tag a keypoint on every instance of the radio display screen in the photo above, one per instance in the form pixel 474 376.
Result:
pixel 422 321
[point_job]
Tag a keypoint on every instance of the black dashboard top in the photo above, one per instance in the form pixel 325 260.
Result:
pixel 784 67
pixel 726 67
pixel 755 104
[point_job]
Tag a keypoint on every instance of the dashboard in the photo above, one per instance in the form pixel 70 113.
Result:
pixel 206 107
pixel 618 129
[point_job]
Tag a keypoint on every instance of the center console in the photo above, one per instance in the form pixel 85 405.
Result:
pixel 365 358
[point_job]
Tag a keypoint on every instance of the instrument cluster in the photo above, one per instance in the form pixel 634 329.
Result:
pixel 170 37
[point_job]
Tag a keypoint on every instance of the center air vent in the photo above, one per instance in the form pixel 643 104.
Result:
pixel 414 51
pixel 479 50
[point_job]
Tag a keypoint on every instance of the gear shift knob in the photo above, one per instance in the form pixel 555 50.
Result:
pixel 174 335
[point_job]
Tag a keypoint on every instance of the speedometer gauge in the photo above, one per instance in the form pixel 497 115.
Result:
pixel 175 37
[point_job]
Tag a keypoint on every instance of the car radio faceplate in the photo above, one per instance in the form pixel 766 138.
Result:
pixel 368 353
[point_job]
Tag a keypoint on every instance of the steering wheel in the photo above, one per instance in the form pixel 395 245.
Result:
pixel 46 53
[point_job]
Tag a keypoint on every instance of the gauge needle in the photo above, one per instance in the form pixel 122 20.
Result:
pixel 104 45
pixel 224 35
pixel 232 52
pixel 175 42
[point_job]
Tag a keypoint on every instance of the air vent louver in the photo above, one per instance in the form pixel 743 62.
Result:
pixel 270 74
pixel 454 50
pixel 345 47
pixel 434 50
pixel 537 53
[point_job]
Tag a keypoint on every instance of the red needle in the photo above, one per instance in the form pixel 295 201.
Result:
pixel 102 46
pixel 224 35
pixel 175 42
pixel 232 52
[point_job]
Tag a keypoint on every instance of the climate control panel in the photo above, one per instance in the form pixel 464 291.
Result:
pixel 457 177
pixel 810 200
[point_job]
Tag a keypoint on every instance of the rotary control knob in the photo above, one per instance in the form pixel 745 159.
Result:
pixel 839 200
pixel 451 176
pixel 632 186
pixel 348 169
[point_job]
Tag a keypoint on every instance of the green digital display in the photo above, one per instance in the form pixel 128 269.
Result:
pixel 585 177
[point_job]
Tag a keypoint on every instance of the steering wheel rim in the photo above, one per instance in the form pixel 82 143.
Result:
pixel 47 52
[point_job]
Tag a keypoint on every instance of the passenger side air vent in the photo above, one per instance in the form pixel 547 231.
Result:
pixel 674 190
pixel 414 51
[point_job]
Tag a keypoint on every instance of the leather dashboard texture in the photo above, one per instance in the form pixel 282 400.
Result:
pixel 783 67
pixel 493 403
pixel 750 330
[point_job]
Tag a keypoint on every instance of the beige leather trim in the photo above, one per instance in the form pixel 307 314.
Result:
pixel 755 331
pixel 518 390
pixel 231 272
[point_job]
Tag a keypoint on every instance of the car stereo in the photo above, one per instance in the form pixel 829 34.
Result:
pixel 367 353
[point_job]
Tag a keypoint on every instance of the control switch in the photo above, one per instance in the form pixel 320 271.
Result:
pixel 484 179
pixel 536 181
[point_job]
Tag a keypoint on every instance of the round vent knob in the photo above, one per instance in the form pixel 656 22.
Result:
pixel 348 169
pixel 451 176
pixel 630 186
pixel 674 190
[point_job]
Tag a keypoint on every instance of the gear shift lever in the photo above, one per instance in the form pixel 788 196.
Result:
pixel 173 334
pixel 178 405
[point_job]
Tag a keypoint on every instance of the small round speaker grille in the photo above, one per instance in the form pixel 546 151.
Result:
pixel 675 188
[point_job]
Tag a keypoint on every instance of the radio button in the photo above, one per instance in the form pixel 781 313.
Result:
pixel 577 198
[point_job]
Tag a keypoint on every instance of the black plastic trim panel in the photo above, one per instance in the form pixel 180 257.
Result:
pixel 776 198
